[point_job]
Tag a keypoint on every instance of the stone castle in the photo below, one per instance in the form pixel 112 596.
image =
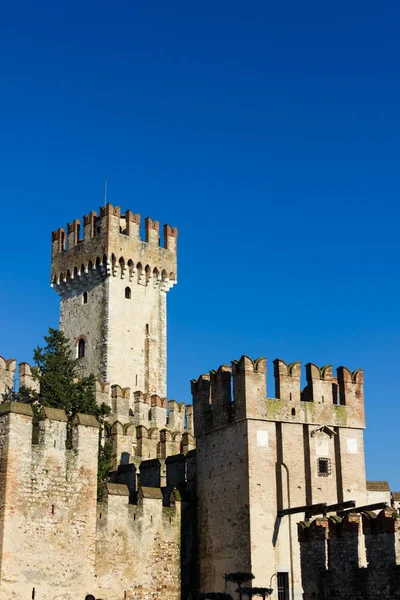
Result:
pixel 197 491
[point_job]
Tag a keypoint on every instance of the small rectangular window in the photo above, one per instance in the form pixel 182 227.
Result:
pixel 324 467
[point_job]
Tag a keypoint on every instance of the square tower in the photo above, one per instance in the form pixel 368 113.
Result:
pixel 113 290
pixel 258 457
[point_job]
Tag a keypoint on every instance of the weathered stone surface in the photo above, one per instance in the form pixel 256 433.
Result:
pixel 56 541
pixel 113 296
pixel 257 455
pixel 333 554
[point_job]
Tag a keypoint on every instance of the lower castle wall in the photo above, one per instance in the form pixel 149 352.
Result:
pixel 138 549
pixel 47 509
pixel 56 541
pixel 331 556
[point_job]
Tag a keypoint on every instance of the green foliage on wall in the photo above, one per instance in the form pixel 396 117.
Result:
pixel 56 372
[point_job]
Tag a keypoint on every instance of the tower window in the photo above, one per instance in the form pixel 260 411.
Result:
pixel 147 329
pixel 128 293
pixel 324 467
pixel 84 298
pixel 81 348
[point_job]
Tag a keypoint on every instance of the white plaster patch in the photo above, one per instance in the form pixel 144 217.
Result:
pixel 262 438
pixel 322 446
pixel 352 447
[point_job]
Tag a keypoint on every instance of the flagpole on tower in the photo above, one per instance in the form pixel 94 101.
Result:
pixel 105 192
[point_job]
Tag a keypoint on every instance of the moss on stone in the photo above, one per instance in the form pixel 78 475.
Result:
pixel 309 411
pixel 340 413
pixel 274 408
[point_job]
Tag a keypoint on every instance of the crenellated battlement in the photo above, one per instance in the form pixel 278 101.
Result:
pixel 7 374
pixel 147 409
pixel 145 426
pixel 133 442
pixel 111 246
pixel 26 376
pixel 334 552
pixel 51 432
pixel 232 393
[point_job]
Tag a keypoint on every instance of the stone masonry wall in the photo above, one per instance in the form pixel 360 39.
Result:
pixel 136 334
pixel 87 321
pixel 223 506
pixel 138 546
pixel 56 542
pixel 332 555
pixel 47 505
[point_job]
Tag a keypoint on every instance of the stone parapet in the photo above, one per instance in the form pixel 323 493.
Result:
pixel 332 551
pixel 238 391
pixel 111 246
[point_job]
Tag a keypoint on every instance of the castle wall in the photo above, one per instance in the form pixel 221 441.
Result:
pixel 144 426
pixel 138 547
pixel 56 542
pixel 47 505
pixel 332 555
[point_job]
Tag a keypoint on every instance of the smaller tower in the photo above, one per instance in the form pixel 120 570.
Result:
pixel 113 288
pixel 258 456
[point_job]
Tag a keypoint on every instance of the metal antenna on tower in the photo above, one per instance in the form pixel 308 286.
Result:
pixel 105 192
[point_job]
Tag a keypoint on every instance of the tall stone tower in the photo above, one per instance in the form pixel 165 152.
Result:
pixel 113 291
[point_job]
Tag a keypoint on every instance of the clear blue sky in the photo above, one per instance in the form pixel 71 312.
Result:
pixel 267 131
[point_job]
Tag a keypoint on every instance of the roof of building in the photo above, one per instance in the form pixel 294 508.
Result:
pixel 378 486
pixel 396 496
